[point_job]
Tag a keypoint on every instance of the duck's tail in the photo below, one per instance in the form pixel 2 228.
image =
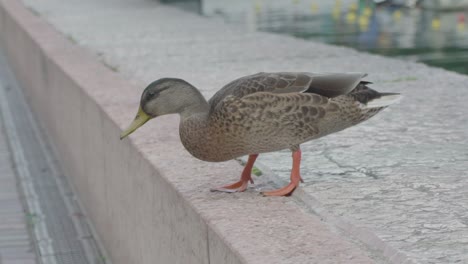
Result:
pixel 383 100
pixel 371 99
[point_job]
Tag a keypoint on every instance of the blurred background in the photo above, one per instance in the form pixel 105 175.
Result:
pixel 433 32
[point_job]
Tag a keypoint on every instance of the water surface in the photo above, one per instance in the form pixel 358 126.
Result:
pixel 437 38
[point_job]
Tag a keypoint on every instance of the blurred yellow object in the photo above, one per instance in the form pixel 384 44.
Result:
pixel 363 22
pixel 397 15
pixel 353 7
pixel 336 13
pixel 461 27
pixel 435 24
pixel 367 11
pixel 351 17
pixel 258 7
pixel 314 8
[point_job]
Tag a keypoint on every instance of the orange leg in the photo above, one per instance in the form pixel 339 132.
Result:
pixel 241 185
pixel 295 178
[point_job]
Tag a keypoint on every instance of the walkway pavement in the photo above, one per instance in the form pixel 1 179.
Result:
pixel 40 218
pixel 16 246
pixel 398 181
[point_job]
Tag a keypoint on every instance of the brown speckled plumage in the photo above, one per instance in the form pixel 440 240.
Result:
pixel 261 113
pixel 267 112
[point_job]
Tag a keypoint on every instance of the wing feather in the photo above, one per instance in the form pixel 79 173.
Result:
pixel 325 84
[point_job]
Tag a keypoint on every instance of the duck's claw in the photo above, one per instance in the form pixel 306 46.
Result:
pixel 285 191
pixel 239 186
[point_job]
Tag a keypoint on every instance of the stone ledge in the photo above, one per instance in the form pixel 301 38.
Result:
pixel 147 197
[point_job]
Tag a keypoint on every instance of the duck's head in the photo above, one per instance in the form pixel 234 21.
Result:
pixel 162 97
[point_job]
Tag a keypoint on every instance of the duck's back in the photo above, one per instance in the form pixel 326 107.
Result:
pixel 272 111
pixel 325 84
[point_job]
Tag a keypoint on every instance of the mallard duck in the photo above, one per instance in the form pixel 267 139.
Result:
pixel 261 113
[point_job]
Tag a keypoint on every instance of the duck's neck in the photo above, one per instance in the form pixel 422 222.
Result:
pixel 195 132
pixel 195 105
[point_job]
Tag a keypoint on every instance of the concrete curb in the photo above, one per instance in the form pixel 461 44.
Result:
pixel 147 198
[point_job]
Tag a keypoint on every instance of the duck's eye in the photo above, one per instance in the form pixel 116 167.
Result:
pixel 151 94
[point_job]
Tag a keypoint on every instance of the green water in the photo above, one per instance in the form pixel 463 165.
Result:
pixel 437 38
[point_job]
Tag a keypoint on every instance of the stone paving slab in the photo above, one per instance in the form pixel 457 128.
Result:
pixel 15 241
pixel 401 175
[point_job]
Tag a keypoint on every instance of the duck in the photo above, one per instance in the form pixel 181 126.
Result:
pixel 261 113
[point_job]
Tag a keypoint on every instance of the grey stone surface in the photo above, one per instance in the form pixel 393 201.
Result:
pixel 16 246
pixel 401 175
pixel 59 230
pixel 151 205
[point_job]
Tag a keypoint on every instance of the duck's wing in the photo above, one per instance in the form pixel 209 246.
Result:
pixel 325 84
pixel 270 120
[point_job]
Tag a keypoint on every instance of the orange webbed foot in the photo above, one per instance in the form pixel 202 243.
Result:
pixel 295 178
pixel 242 184
pixel 285 191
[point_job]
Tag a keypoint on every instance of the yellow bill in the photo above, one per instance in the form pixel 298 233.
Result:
pixel 140 119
